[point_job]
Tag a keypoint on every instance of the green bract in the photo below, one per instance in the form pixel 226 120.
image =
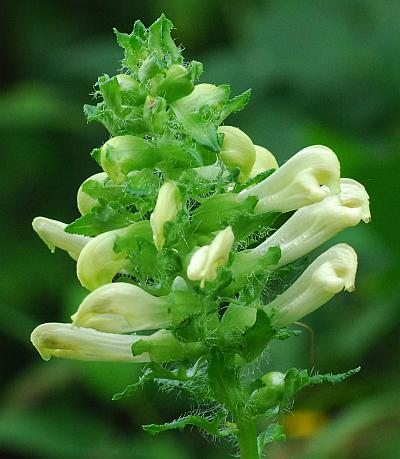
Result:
pixel 181 235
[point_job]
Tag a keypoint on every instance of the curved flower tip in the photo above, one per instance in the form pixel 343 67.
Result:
pixel 207 259
pixel 297 183
pixel 312 225
pixel 85 202
pixel 237 150
pixel 70 342
pixel 166 209
pixel 265 161
pixel 333 271
pixel 353 194
pixel 98 263
pixel 121 308
pixel 52 233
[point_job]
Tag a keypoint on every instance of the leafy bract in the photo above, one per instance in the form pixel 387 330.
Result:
pixel 210 426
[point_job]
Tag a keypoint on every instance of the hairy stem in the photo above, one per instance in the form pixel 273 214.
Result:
pixel 247 436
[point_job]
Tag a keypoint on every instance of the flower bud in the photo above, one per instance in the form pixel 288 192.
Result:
pixel 270 393
pixel 123 154
pixel 189 112
pixel 203 94
pixel 177 83
pixel 127 83
pixel 312 225
pixel 265 161
pixel 297 183
pixel 207 259
pixel 53 235
pixel 332 272
pixel 155 114
pixel 162 346
pixel 122 308
pixel 70 342
pixel 237 150
pixel 85 202
pixel 167 206
pixel 99 263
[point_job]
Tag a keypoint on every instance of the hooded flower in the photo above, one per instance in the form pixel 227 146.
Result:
pixel 70 342
pixel 333 271
pixel 312 225
pixel 297 183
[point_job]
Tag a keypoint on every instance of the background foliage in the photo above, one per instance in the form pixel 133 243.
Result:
pixel 321 72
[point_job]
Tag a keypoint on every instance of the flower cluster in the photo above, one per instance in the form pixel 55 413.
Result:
pixel 182 231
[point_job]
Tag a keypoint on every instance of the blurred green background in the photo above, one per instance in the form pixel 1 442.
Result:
pixel 321 72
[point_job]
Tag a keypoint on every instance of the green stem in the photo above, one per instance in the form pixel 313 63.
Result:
pixel 247 436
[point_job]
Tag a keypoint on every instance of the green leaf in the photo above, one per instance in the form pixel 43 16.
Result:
pixel 255 339
pixel 107 217
pixel 152 372
pixel 246 267
pixel 274 433
pixel 296 379
pixel 224 380
pixel 212 426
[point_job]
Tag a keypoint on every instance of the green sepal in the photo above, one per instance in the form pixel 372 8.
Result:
pixel 212 427
pixel 246 266
pixel 220 210
pixel 107 191
pixel 108 216
pixel 96 155
pixel 162 347
pixel 197 327
pixel 111 92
